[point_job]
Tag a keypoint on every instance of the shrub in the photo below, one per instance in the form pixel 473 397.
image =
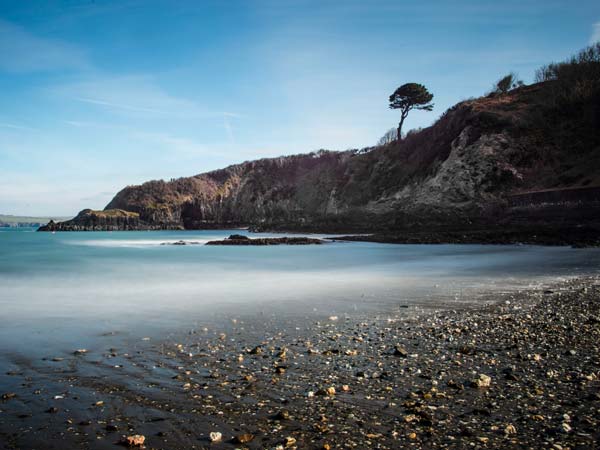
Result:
pixel 508 82
pixel 577 78
pixel 585 64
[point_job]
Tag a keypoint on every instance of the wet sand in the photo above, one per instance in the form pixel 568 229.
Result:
pixel 522 372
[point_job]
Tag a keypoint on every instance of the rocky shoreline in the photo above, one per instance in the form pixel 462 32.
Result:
pixel 582 236
pixel 522 372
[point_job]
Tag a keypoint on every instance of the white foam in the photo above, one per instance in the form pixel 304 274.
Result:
pixel 134 243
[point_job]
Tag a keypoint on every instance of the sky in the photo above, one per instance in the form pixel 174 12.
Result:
pixel 96 95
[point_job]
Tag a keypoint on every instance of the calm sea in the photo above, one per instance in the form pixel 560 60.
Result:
pixel 59 292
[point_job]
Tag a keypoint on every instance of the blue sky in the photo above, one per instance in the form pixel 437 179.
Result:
pixel 96 95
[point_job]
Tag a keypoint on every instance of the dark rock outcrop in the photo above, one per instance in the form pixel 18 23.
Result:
pixel 108 220
pixel 237 239
pixel 180 243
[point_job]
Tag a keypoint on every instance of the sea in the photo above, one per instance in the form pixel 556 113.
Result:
pixel 65 291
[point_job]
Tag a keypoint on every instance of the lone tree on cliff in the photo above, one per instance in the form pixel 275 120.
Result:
pixel 410 96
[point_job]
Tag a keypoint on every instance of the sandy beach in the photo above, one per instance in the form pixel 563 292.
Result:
pixel 522 372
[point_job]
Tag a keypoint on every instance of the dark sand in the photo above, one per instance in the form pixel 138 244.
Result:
pixel 402 380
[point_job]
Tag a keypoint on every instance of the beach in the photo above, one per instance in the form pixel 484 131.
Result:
pixel 521 371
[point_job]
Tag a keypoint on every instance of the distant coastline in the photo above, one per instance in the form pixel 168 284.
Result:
pixel 10 221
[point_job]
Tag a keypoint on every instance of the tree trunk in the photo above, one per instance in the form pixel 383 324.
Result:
pixel 400 127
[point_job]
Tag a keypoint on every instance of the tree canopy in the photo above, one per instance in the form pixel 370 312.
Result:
pixel 410 96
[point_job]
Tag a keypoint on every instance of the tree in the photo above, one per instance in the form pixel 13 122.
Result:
pixel 507 83
pixel 407 97
pixel 389 137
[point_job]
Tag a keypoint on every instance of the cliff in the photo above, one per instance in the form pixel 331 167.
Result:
pixel 464 171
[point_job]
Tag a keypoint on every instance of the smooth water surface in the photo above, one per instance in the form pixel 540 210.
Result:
pixel 63 290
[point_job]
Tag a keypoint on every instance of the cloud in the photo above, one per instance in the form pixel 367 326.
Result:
pixel 120 106
pixel 80 124
pixel 135 95
pixel 595 33
pixel 159 140
pixel 21 51
pixel 173 144
pixel 15 127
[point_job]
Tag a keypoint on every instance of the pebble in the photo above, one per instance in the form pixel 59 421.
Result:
pixel 565 427
pixel 400 351
pixel 483 381
pixel 215 436
pixel 135 440
pixel 244 438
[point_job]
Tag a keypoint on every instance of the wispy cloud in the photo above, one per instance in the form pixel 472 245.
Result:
pixel 80 124
pixel 595 37
pixel 22 51
pixel 120 106
pixel 176 145
pixel 15 127
pixel 164 142
pixel 136 95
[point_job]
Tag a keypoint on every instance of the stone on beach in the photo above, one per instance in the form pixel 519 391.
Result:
pixel 483 381
pixel 215 436
pixel 135 440
pixel 244 438
pixel 400 351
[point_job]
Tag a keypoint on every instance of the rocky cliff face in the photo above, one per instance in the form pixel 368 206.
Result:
pixel 459 172
pixel 89 220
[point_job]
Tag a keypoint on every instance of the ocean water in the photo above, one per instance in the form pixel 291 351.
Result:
pixel 63 291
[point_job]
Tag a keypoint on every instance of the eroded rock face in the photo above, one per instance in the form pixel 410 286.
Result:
pixel 475 172
pixel 472 171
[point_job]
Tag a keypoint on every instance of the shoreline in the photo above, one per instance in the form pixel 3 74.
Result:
pixel 399 380
pixel 574 236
